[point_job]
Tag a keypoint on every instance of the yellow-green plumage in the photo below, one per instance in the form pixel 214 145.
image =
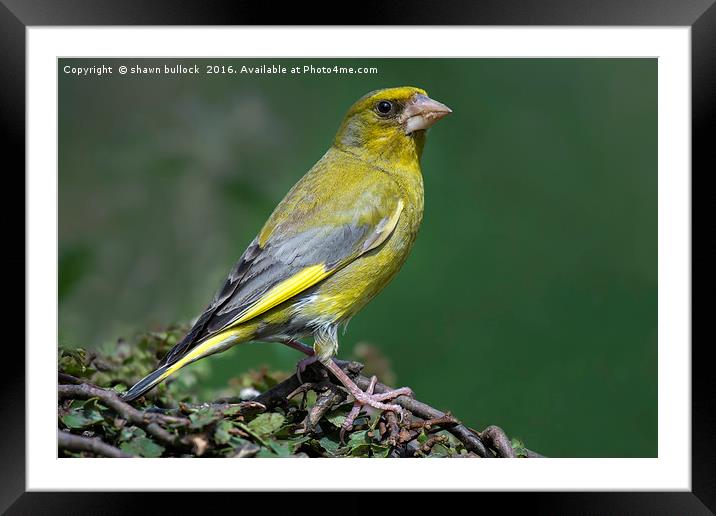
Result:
pixel 332 244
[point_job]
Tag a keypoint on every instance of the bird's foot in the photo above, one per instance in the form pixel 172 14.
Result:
pixel 361 398
pixel 367 397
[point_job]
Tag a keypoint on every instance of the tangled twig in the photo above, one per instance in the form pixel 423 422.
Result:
pixel 430 415
pixel 161 423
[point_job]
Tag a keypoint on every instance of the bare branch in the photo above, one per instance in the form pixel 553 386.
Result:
pixel 278 394
pixel 147 420
pixel 495 436
pixel 446 421
pixel 77 443
pixel 240 408
pixel 471 441
pixel 325 401
pixel 68 378
pixel 427 446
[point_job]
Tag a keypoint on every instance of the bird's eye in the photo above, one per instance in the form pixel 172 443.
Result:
pixel 384 108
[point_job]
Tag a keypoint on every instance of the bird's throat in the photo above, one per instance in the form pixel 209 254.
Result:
pixel 398 152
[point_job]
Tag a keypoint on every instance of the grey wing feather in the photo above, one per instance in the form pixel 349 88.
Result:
pixel 282 258
pixel 260 269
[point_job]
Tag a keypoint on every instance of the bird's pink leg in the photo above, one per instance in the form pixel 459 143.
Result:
pixel 355 410
pixel 367 397
pixel 298 345
pixel 361 397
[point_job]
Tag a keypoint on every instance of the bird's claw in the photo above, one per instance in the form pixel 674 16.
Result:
pixel 367 397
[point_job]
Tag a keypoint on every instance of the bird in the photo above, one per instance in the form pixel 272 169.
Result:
pixel 337 238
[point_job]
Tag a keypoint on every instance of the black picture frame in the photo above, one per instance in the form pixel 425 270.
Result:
pixel 17 15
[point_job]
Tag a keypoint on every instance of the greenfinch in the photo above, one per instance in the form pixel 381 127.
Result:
pixel 331 245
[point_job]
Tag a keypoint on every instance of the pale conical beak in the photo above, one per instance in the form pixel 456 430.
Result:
pixel 422 112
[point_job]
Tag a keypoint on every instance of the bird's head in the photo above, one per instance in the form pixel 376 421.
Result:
pixel 390 124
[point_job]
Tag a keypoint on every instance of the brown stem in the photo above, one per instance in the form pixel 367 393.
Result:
pixel 77 443
pixel 427 446
pixel 325 401
pixel 147 420
pixel 391 421
pixel 446 421
pixel 68 378
pixel 471 441
pixel 498 441
pixel 243 408
pixel 278 394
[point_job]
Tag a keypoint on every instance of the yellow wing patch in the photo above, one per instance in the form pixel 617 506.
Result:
pixel 277 295
pixel 203 349
pixel 285 290
pixel 313 274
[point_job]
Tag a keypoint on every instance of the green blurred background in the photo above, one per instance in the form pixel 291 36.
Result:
pixel 530 298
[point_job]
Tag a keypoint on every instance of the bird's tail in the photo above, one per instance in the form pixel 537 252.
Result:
pixel 146 383
pixel 212 345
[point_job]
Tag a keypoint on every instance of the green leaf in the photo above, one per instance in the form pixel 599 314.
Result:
pixel 329 445
pixel 288 431
pixel 202 417
pixel 362 450
pixel 221 434
pixel 129 432
pixel 295 444
pixel 281 449
pixel 311 398
pixel 74 362
pixel 74 421
pixel 422 437
pixel 266 424
pixel 379 450
pixel 358 445
pixel 142 447
pixel 358 438
pixel 519 448
pixel 83 414
pixel 336 420
pixel 439 450
pixel 253 434
pixel 337 416
pixel 266 453
pixel 119 388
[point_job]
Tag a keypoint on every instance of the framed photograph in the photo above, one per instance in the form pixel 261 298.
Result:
pixel 497 199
